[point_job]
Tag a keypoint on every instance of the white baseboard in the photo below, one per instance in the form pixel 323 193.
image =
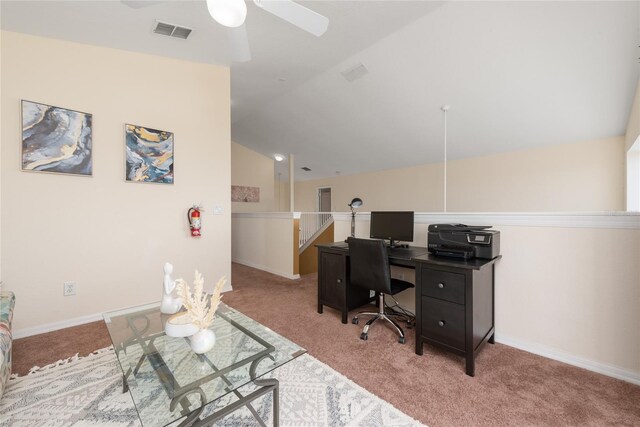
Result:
pixel 267 269
pixel 561 356
pixel 76 321
pixel 41 329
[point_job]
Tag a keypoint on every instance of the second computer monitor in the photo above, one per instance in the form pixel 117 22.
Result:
pixel 392 225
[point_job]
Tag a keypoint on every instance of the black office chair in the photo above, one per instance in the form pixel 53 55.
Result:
pixel 369 268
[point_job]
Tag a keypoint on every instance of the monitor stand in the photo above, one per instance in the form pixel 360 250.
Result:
pixel 393 244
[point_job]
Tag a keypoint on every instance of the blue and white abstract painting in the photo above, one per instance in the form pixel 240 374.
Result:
pixel 149 155
pixel 55 139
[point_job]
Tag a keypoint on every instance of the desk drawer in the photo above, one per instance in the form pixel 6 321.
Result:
pixel 443 321
pixel 443 285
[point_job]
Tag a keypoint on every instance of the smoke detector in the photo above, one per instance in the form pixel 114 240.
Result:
pixel 171 30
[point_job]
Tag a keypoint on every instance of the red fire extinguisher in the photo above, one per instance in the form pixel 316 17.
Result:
pixel 193 215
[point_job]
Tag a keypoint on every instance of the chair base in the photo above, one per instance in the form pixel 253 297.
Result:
pixel 381 314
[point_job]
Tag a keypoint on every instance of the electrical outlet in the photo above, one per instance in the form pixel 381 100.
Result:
pixel 217 210
pixel 69 288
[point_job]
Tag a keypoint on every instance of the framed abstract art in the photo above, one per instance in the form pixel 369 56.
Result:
pixel 149 154
pixel 56 140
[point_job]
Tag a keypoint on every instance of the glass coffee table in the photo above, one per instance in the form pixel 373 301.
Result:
pixel 168 381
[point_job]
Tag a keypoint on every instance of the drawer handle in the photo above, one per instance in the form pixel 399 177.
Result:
pixel 441 285
pixel 441 323
pixel 339 280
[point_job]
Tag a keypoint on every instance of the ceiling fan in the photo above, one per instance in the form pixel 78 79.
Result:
pixel 232 14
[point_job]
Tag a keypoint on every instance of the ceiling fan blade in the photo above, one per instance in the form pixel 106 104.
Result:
pixel 137 4
pixel 296 14
pixel 240 51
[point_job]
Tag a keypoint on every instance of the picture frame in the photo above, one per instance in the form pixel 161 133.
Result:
pixel 56 140
pixel 149 154
pixel 242 193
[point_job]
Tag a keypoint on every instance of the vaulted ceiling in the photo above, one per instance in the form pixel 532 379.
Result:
pixel 516 74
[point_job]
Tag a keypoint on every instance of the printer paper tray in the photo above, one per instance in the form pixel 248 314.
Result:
pixel 450 252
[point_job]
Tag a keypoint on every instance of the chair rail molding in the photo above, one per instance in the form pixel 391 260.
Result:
pixel 268 215
pixel 623 220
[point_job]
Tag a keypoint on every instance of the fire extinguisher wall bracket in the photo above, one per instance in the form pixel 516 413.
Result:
pixel 193 216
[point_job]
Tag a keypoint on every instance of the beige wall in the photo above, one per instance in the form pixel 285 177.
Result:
pixel 586 176
pixel 252 169
pixel 415 188
pixel 566 293
pixel 265 241
pixel 1 127
pixel 282 195
pixel 633 126
pixel 111 236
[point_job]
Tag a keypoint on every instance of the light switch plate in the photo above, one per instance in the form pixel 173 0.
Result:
pixel 217 210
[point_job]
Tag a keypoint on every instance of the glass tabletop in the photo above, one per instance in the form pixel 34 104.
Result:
pixel 167 380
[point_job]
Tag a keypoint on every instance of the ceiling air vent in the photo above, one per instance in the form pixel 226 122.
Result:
pixel 355 73
pixel 306 169
pixel 171 30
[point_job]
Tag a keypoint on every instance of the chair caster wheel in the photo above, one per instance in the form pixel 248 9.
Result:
pixel 354 320
pixel 401 340
pixel 364 336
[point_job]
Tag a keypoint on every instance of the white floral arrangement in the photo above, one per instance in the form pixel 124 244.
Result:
pixel 200 308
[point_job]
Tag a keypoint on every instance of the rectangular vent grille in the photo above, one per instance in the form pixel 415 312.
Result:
pixel 306 169
pixel 355 73
pixel 171 30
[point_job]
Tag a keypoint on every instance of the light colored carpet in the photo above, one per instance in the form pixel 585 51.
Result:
pixel 88 392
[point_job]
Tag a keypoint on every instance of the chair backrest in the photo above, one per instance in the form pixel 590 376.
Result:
pixel 369 264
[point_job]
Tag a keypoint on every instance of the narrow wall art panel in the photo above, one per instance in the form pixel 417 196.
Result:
pixel 149 155
pixel 240 193
pixel 56 139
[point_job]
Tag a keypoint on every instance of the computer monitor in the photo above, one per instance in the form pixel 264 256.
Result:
pixel 392 225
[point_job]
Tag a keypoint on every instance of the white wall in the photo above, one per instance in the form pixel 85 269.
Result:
pixel 633 125
pixel 567 287
pixel 252 169
pixel 111 236
pixel 585 176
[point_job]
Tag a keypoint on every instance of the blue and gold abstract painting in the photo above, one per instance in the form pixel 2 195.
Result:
pixel 149 155
pixel 55 139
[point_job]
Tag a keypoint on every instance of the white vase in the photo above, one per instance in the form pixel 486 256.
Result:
pixel 202 341
pixel 179 325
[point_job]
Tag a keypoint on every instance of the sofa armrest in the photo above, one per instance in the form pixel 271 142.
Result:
pixel 7 303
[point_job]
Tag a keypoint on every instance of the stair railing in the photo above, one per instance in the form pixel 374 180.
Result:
pixel 312 224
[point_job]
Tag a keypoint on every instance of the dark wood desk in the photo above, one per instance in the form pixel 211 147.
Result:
pixel 333 276
pixel 454 298
pixel 455 305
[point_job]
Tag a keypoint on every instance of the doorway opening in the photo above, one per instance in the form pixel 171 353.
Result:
pixel 324 199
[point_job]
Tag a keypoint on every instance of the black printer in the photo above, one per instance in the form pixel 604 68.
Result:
pixel 463 241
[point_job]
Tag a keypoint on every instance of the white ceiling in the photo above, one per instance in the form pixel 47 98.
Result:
pixel 516 74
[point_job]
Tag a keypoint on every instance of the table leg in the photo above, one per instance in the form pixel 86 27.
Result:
pixel 276 405
pixel 265 386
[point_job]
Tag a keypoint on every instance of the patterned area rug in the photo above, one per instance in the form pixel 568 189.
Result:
pixel 88 392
